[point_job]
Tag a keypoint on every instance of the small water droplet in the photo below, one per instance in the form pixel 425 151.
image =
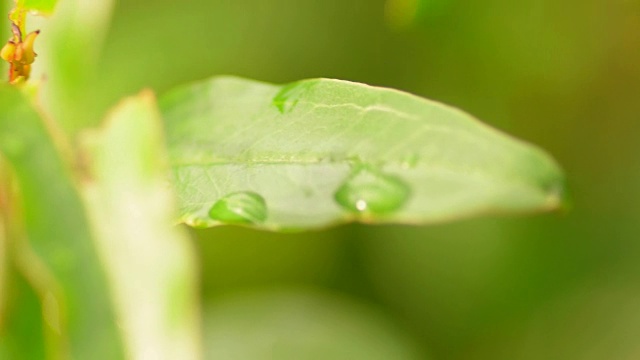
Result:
pixel 287 98
pixel 368 190
pixel 410 161
pixel 240 208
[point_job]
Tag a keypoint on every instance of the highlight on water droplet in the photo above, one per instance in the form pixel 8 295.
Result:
pixel 243 207
pixel 370 191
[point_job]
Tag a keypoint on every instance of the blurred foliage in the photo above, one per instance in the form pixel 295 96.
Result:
pixel 75 304
pixel 131 211
pixel 22 334
pixel 561 74
pixel 69 49
pixel 42 6
pixel 301 323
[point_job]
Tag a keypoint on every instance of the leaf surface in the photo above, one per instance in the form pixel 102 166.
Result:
pixel 319 152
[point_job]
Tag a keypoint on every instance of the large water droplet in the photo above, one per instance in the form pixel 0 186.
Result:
pixel 287 98
pixel 240 208
pixel 369 191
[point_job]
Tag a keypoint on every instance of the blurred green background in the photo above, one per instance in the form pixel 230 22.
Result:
pixel 562 74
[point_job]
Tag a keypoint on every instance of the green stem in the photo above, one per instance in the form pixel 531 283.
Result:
pixel 4 188
pixel 4 191
pixel 17 256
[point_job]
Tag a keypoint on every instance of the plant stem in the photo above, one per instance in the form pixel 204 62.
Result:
pixel 4 207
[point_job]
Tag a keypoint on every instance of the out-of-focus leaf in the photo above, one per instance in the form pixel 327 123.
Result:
pixel 150 263
pixel 22 330
pixel 43 6
pixel 72 286
pixel 298 324
pixel 401 14
pixel 68 48
pixel 318 152
pixel 22 327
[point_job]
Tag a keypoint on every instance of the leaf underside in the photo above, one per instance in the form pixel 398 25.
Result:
pixel 320 152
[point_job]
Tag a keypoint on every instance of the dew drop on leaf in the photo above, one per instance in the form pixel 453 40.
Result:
pixel 410 161
pixel 239 208
pixel 369 191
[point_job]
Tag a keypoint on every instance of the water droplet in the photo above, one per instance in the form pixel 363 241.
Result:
pixel 240 208
pixel 368 190
pixel 410 161
pixel 558 197
pixel 288 97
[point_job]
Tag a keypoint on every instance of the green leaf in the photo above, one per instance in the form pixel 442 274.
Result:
pixel 22 327
pixel 43 6
pixel 59 255
pixel 149 261
pixel 302 324
pixel 320 152
pixel 21 324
